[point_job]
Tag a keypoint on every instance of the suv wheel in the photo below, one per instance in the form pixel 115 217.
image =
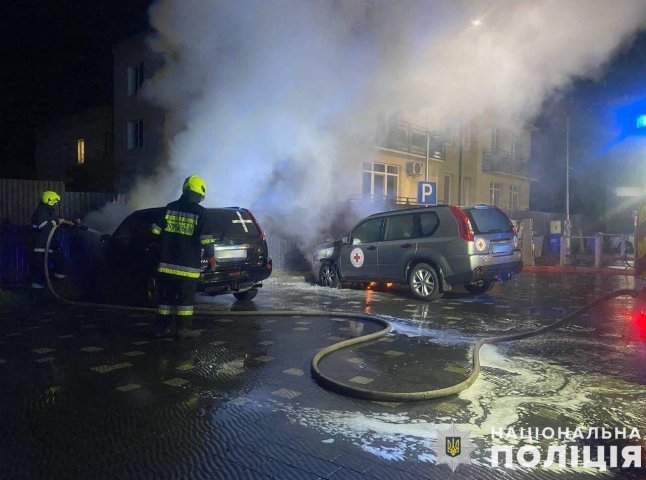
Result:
pixel 246 295
pixel 329 275
pixel 424 283
pixel 479 286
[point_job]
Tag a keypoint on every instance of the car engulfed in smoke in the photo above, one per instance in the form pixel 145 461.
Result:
pixel 130 257
pixel 431 249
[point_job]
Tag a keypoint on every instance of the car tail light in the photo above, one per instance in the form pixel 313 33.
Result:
pixel 255 222
pixel 464 224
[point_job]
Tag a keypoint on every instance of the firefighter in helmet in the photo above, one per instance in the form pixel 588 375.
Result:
pixel 45 217
pixel 180 228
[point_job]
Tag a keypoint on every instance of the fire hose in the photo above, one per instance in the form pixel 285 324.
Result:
pixel 352 391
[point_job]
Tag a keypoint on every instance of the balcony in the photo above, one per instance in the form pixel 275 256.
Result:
pixel 502 161
pixel 408 138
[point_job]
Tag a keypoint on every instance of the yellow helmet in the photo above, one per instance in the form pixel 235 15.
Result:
pixel 50 198
pixel 195 184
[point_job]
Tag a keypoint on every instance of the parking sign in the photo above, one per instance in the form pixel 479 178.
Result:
pixel 426 193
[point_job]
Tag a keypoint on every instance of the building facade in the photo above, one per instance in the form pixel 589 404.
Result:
pixel 474 163
pixel 78 150
pixel 138 125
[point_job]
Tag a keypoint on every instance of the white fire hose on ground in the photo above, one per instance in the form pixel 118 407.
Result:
pixel 334 385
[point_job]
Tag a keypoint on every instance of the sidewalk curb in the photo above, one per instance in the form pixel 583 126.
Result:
pixel 568 269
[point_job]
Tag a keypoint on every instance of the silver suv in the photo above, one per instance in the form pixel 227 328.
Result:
pixel 429 248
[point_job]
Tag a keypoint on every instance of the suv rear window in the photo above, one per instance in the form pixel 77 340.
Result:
pixel 226 224
pixel 488 220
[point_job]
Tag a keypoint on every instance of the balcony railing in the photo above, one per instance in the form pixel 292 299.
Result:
pixel 409 138
pixel 505 162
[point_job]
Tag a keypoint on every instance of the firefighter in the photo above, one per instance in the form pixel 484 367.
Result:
pixel 42 221
pixel 180 227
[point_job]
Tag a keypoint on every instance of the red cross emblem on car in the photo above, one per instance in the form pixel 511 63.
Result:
pixel 356 257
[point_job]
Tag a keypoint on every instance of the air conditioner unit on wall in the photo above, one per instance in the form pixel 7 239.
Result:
pixel 414 169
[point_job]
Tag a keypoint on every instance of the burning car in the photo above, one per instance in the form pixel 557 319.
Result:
pixel 429 248
pixel 131 254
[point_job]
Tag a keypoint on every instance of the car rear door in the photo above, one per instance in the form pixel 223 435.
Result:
pixel 494 232
pixel 358 259
pixel 398 246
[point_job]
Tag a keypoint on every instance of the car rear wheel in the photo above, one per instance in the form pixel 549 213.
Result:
pixel 246 295
pixel 478 287
pixel 424 283
pixel 329 275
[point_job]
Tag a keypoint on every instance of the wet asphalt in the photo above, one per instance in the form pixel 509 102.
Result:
pixel 87 393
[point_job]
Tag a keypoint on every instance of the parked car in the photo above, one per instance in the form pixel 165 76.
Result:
pixel 131 254
pixel 431 249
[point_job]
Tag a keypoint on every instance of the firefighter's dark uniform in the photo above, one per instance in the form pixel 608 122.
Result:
pixel 42 222
pixel 180 227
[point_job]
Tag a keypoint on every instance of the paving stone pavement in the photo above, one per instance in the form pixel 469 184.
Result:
pixel 87 393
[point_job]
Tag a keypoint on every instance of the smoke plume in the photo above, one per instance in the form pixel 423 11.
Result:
pixel 277 103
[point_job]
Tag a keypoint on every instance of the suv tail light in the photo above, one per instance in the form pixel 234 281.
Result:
pixel 255 222
pixel 464 224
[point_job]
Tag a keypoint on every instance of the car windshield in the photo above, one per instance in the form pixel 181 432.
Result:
pixel 488 220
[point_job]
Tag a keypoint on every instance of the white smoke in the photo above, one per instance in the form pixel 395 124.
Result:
pixel 277 103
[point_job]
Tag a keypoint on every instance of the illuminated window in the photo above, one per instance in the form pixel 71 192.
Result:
pixel 135 134
pixel 135 79
pixel 80 151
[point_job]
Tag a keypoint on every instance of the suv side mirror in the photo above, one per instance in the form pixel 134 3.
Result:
pixel 345 239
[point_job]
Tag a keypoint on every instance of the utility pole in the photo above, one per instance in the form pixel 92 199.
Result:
pixel 428 141
pixel 567 175
pixel 460 164
pixel 568 226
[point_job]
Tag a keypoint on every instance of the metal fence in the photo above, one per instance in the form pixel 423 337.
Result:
pixel 598 250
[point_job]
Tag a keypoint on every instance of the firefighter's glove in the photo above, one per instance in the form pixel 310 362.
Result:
pixel 212 263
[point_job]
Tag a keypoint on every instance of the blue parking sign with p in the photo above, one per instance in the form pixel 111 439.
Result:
pixel 426 193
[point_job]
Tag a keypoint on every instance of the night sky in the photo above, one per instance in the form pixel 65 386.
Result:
pixel 57 60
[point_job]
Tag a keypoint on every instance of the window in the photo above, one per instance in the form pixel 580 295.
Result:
pixel 428 223
pixel 513 197
pixel 399 227
pixel 494 193
pixel 135 79
pixel 135 134
pixel 379 180
pixel 467 183
pixel 80 151
pixel 447 189
pixel 488 220
pixel 369 231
